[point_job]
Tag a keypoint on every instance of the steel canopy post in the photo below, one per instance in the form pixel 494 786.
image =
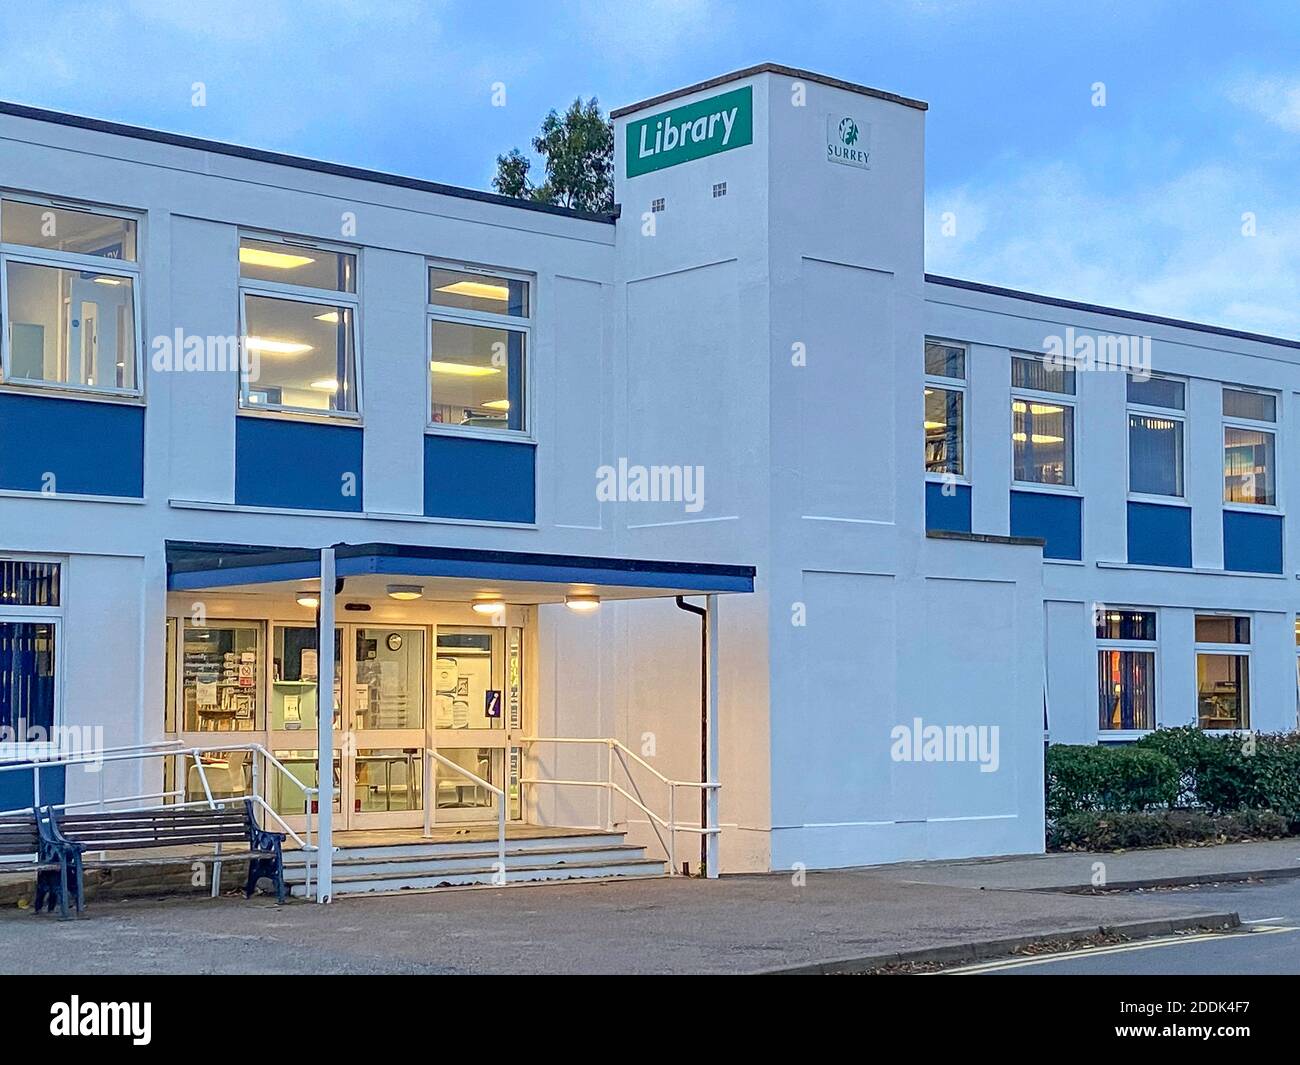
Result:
pixel 711 657
pixel 325 729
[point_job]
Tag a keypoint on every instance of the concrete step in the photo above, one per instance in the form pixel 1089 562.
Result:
pixel 345 863
pixel 421 849
pixel 383 883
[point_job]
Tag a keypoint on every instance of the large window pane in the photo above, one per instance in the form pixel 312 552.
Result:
pixel 295 677
pixel 221 669
pixel 1222 628
pixel 458 792
pixel 1042 442
pixel 1223 691
pixel 286 797
pixel 26 681
pixel 74 327
pixel 943 431
pixel 1255 406
pixel 228 775
pixel 28 583
pixel 302 355
pixel 1155 455
pixel 386 781
pixel 389 678
pixel 470 291
pixel 476 376
pixel 1248 466
pixel 1041 376
pixel 1126 688
pixel 62 229
pixel 945 360
pixel 467 679
pixel 291 264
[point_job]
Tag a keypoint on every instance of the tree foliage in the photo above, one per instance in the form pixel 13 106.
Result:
pixel 577 152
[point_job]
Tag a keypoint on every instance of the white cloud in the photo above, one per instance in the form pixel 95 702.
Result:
pixel 1277 100
pixel 1174 247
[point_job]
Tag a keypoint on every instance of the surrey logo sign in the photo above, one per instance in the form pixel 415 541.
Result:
pixel 694 131
pixel 848 142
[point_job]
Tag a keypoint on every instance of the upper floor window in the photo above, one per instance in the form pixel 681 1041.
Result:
pixel 1042 426
pixel 71 300
pixel 1249 447
pixel 1155 436
pixel 945 404
pixel 298 307
pixel 479 326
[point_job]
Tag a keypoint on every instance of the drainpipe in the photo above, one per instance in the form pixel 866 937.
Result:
pixel 704 722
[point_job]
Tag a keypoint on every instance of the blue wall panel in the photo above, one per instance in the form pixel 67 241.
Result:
pixel 949 513
pixel 16 788
pixel 484 480
pixel 299 465
pixel 1252 543
pixel 1159 535
pixel 1056 519
pixel 89 448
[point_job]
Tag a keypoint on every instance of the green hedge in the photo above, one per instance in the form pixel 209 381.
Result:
pixel 1095 830
pixel 1180 768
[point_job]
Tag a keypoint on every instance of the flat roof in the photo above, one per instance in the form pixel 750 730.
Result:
pixel 1116 312
pixel 771 68
pixel 298 162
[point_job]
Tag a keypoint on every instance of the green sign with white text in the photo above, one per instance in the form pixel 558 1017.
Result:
pixel 694 131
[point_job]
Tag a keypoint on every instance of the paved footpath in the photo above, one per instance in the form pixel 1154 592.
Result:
pixel 1072 871
pixel 736 924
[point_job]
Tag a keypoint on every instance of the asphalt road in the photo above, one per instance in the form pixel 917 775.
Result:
pixel 1268 944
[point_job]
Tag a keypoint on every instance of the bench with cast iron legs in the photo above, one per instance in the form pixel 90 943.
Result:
pixel 66 836
pixel 20 838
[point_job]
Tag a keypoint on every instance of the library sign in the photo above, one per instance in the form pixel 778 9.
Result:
pixel 694 131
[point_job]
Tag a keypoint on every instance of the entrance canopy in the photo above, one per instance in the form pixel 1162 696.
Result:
pixel 450 573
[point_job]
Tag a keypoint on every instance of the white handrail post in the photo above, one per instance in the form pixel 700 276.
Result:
pixel 36 785
pixel 257 775
pixel 325 728
pixel 609 785
pixel 428 795
pixel 501 834
pixel 672 829
pixel 711 651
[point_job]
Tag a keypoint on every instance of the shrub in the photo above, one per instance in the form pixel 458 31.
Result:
pixel 1092 777
pixel 1106 831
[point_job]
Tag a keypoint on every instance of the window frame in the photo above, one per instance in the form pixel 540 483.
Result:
pixel 47 257
pixel 1231 650
pixel 960 385
pixel 1105 644
pixel 1172 414
pixel 1061 399
pixel 1272 428
pixel 40 615
pixel 434 312
pixel 299 294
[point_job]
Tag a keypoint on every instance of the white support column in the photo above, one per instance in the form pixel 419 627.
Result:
pixel 325 729
pixel 711 657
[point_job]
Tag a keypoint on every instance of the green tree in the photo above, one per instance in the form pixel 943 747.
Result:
pixel 577 149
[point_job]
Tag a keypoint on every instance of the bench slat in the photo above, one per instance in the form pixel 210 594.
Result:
pixel 161 814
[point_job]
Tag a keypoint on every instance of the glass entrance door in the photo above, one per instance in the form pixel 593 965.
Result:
pixel 378 718
pixel 469 720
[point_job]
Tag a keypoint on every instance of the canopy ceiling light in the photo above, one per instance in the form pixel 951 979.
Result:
pixel 488 605
pixel 582 604
pixel 309 597
pixel 405 591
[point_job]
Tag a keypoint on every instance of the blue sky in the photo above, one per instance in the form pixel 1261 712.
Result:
pixel 1138 203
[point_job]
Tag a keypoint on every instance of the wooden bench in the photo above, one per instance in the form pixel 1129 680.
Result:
pixel 64 838
pixel 20 838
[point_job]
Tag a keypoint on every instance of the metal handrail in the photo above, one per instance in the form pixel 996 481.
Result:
pixel 429 798
pixel 612 745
